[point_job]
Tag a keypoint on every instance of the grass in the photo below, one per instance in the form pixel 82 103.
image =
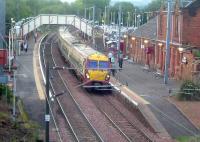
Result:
pixel 188 139
pixel 3 115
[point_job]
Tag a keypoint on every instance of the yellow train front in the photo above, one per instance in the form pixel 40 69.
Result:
pixel 91 66
pixel 97 74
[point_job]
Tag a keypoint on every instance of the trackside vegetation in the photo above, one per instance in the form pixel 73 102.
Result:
pixel 189 91
pixel 19 129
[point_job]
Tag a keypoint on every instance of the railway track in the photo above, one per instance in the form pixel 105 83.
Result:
pixel 63 130
pixel 79 128
pixel 129 129
pixel 126 122
pixel 112 109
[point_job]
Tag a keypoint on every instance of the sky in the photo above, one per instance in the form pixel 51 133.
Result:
pixel 135 2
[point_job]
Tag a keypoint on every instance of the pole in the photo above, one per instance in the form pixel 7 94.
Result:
pixel 105 20
pixel 122 18
pixel 85 24
pixel 12 31
pixel 9 44
pixel 119 28
pixel 114 17
pixel 135 21
pixel 47 116
pixel 93 39
pixel 167 57
pixel 111 18
pixel 14 91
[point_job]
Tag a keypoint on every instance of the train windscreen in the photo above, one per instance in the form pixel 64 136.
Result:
pixel 92 64
pixel 103 64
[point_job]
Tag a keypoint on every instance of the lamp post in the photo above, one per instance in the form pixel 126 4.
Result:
pixel 14 92
pixel 104 27
pixel 85 23
pixel 93 39
pixel 128 19
pixel 12 35
pixel 167 57
pixel 10 46
pixel 138 20
pixel 119 26
pixel 93 24
pixel 135 18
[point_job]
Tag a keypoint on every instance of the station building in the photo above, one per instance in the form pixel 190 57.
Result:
pixel 147 44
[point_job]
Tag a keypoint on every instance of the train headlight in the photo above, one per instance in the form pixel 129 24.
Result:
pixel 87 76
pixel 107 77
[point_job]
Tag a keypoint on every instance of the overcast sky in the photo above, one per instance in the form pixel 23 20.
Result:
pixel 135 2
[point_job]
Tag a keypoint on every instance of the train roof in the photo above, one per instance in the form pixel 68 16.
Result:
pixel 82 48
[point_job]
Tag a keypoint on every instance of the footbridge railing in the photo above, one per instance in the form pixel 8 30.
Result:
pixel 54 19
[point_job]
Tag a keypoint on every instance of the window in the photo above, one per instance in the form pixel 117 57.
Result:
pixel 176 26
pixel 160 24
pixel 103 64
pixel 92 64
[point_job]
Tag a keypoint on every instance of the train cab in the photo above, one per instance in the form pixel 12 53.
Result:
pixel 97 69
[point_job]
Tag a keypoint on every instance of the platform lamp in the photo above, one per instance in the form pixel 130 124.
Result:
pixel 10 47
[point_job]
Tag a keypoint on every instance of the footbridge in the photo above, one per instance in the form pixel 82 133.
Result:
pixel 54 19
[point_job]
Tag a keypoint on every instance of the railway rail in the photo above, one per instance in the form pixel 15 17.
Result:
pixel 129 129
pixel 111 108
pixel 80 128
pixel 53 106
pixel 125 124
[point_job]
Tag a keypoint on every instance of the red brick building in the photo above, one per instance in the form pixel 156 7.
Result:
pixel 147 43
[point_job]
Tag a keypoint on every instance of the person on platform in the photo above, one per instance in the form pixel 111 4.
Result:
pixel 26 46
pixel 110 55
pixel 35 36
pixel 120 60
pixel 113 66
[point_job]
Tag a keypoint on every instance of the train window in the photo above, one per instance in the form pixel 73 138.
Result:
pixel 103 64
pixel 92 64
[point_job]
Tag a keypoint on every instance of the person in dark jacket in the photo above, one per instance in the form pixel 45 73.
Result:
pixel 120 60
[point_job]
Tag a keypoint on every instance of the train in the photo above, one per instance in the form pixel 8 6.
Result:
pixel 90 66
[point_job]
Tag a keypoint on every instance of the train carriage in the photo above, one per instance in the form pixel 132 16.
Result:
pixel 91 66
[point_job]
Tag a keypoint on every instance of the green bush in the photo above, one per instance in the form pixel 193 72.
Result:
pixel 6 93
pixel 189 91
pixel 196 53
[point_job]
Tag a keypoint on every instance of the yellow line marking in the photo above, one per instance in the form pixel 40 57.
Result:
pixel 36 74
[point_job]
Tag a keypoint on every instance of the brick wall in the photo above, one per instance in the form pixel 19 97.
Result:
pixel 187 68
pixel 191 28
pixel 162 22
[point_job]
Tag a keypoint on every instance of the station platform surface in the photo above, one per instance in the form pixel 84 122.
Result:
pixel 26 85
pixel 151 89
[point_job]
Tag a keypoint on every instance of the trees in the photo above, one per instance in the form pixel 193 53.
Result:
pixel 27 8
pixel 128 10
pixel 154 5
